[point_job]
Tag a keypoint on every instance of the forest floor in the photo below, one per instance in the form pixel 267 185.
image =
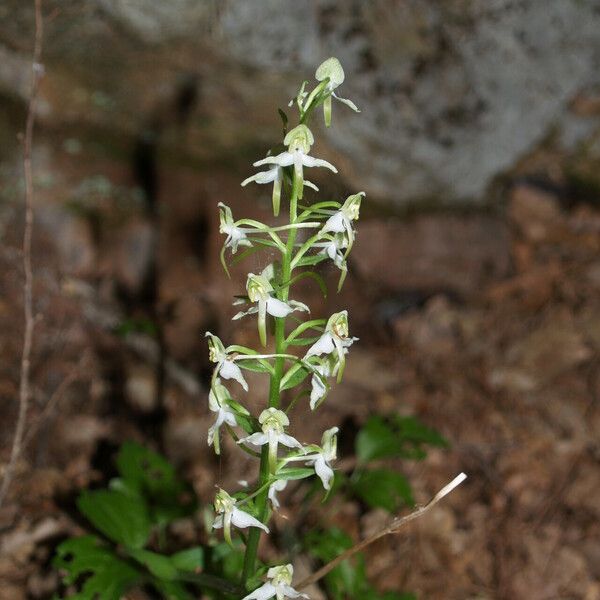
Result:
pixel 484 326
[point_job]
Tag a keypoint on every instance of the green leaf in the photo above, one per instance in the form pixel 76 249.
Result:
pixel 294 473
pixel 295 376
pixel 284 120
pixel 120 517
pixel 172 590
pixel 383 489
pixel 401 437
pixel 107 577
pixel 255 365
pixel 158 565
pixel 148 471
pixel 152 477
pixel 190 560
pixel 348 580
pixel 227 561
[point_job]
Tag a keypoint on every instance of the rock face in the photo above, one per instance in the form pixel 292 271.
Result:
pixel 453 93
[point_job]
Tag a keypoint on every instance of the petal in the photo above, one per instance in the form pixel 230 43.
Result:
pixel 278 308
pixel 256 439
pixel 298 305
pixel 264 592
pixel 290 592
pixel 218 522
pixel 311 161
pixel 288 440
pixel 323 471
pixel 335 223
pixel 318 391
pixel 311 185
pixel 285 159
pixel 346 102
pixel 262 177
pixel 245 313
pixel 324 345
pixel 242 519
pixel 229 370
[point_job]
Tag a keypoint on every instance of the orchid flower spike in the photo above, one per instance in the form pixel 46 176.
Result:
pixel 226 367
pixel 274 489
pixel 325 455
pixel 341 220
pixel 218 402
pixel 236 236
pixel 261 291
pixel 278 585
pixel 335 339
pixel 332 69
pixel 228 515
pixel 273 422
pixel 299 141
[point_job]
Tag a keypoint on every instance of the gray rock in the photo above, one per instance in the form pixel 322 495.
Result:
pixel 452 93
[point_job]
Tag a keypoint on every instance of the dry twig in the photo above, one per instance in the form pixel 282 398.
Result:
pixel 24 385
pixel 391 528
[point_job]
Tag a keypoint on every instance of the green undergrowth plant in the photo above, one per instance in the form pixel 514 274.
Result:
pixel 302 355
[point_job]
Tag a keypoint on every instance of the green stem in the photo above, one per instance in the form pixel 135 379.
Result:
pixel 274 394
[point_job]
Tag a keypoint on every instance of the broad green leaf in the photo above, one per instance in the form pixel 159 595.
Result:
pixel 154 479
pixel 120 517
pixel 348 580
pixel 105 576
pixel 383 489
pixel 172 590
pixel 401 437
pixel 148 471
pixel 159 565
pixel 190 560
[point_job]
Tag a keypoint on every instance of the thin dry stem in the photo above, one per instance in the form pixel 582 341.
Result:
pixel 392 527
pixel 24 385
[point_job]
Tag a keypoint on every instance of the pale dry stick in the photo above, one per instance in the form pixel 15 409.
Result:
pixel 393 527
pixel 24 385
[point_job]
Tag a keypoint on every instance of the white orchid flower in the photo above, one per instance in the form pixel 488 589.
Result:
pixel 319 387
pixel 325 455
pixel 236 236
pixel 261 291
pixel 273 422
pixel 228 515
pixel 278 585
pixel 333 70
pixel 218 402
pixel 275 176
pixel 226 367
pixel 274 489
pixel 335 248
pixel 341 220
pixel 335 339
pixel 298 140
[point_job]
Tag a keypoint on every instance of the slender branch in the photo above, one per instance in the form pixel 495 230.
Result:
pixel 24 385
pixel 391 528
